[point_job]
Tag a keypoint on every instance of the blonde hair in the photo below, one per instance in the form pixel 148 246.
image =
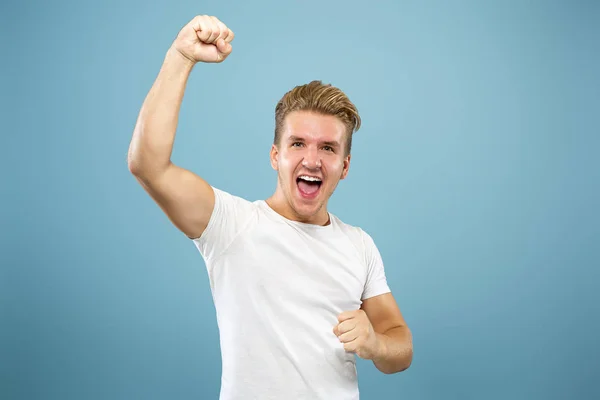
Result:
pixel 320 98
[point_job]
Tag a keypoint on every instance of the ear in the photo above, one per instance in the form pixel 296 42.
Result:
pixel 346 167
pixel 274 156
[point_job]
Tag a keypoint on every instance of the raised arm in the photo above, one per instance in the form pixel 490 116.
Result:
pixel 186 198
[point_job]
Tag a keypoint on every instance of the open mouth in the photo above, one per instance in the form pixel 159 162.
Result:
pixel 308 185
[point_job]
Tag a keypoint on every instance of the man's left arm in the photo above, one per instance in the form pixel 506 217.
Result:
pixel 395 349
pixel 377 332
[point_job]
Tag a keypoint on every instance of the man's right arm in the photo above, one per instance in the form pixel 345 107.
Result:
pixel 187 199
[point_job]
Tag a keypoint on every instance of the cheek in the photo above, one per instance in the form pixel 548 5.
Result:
pixel 286 165
pixel 335 168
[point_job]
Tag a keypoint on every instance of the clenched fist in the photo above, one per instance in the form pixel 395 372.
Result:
pixel 355 331
pixel 204 39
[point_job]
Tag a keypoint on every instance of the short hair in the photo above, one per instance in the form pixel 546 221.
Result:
pixel 320 98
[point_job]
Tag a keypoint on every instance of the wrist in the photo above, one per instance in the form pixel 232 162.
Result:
pixel 380 350
pixel 176 58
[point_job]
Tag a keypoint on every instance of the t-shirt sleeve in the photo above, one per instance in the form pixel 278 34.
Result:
pixel 376 282
pixel 230 216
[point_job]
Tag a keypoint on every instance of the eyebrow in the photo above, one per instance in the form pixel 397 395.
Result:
pixel 327 143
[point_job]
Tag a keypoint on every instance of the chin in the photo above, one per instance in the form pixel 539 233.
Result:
pixel 307 210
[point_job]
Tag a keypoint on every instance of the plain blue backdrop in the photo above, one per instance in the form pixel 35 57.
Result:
pixel 476 171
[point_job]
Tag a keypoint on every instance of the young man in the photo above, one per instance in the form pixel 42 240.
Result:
pixel 298 293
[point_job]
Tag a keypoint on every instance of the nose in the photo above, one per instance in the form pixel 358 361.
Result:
pixel 311 159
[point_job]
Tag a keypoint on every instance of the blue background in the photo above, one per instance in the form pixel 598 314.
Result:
pixel 476 172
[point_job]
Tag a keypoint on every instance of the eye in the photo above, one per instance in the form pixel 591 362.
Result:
pixel 296 144
pixel 328 148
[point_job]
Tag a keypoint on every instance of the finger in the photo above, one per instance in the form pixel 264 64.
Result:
pixel 348 336
pixel 230 36
pixel 203 30
pixel 346 326
pixel 195 22
pixel 215 30
pixel 223 48
pixel 346 315
pixel 351 346
pixel 223 31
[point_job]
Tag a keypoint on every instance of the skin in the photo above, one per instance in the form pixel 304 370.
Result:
pixel 314 144
pixel 377 332
pixel 311 143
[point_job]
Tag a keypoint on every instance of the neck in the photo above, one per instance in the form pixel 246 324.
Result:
pixel 280 204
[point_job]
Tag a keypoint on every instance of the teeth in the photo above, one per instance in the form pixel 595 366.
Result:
pixel 310 178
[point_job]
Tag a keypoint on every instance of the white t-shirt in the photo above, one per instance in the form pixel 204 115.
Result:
pixel 278 286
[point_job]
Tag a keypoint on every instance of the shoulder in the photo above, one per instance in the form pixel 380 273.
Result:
pixel 226 196
pixel 362 240
pixel 230 213
pixel 233 203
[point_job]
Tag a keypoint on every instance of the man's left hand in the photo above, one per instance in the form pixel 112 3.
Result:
pixel 355 331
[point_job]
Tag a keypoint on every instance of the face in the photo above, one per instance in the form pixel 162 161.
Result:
pixel 310 160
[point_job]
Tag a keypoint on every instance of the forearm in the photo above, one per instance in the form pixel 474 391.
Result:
pixel 395 350
pixel 154 134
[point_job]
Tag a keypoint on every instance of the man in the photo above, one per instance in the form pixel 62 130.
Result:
pixel 297 292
